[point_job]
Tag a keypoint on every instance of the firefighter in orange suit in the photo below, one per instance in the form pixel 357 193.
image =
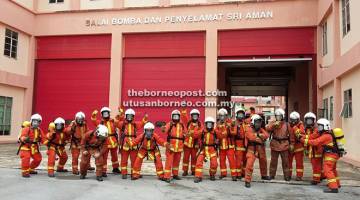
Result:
pixel 56 141
pixel 30 139
pixel 315 153
pixel 331 154
pixel 297 148
pixel 77 129
pixel 208 139
pixel 175 131
pixel 94 144
pixel 128 132
pixel 280 144
pixel 238 131
pixel 226 145
pixel 191 145
pixel 112 139
pixel 148 147
pixel 255 139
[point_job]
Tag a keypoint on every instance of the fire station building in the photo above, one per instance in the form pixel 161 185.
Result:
pixel 62 56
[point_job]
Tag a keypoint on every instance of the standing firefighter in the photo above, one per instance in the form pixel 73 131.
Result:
pixel 191 145
pixel 56 141
pixel 332 153
pixel 256 137
pixel 128 130
pixel 280 144
pixel 112 139
pixel 297 148
pixel 315 153
pixel 94 144
pixel 175 132
pixel 148 147
pixel 208 151
pixel 77 129
pixel 30 139
pixel 226 145
pixel 238 131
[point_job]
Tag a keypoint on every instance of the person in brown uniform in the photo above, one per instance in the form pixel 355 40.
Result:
pixel 94 144
pixel 280 144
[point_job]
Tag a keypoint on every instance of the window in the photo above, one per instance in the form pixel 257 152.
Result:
pixel 331 117
pixel 56 1
pixel 347 107
pixel 345 11
pixel 11 43
pixel 5 115
pixel 326 108
pixel 324 39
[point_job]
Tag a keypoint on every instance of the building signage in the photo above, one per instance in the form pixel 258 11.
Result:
pixel 178 19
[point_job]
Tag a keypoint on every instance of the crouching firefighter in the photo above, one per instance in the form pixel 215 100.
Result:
pixel 331 155
pixel 148 147
pixel 208 150
pixel 94 144
pixel 56 141
pixel 30 139
pixel 255 137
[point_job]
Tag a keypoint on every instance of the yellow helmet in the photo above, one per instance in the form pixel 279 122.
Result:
pixel 25 124
pixel 339 135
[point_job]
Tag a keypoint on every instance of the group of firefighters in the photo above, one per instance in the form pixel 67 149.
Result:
pixel 237 142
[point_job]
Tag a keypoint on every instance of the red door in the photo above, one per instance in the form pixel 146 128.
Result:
pixel 163 62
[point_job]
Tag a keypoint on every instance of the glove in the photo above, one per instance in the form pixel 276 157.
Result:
pixel 27 139
pixel 191 132
pixel 94 113
pixel 277 124
pixel 51 127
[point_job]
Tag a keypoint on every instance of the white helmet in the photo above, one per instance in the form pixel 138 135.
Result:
pixel 102 131
pixel 310 115
pixel 105 109
pixel 36 117
pixel 240 109
pixel 295 115
pixel 222 111
pixel 175 112
pixel 194 111
pixel 80 115
pixel 325 123
pixel 149 125
pixel 280 112
pixel 254 118
pixel 59 120
pixel 210 119
pixel 129 112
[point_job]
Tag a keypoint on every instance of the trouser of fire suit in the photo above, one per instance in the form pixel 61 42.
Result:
pixel 52 152
pixel 85 162
pixel 330 172
pixel 284 161
pixel 172 163
pixel 139 160
pixel 298 156
pixel 189 157
pixel 27 164
pixel 200 161
pixel 230 155
pixel 125 154
pixel 114 158
pixel 316 164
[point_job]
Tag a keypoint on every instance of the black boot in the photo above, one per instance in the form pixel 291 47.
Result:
pixel 104 174
pixel 61 170
pixel 167 180
pixel 116 171
pixel 266 178
pixel 287 178
pixel 124 176
pixel 298 179
pixel 134 178
pixel 51 175
pixel 247 184
pixel 184 173
pixel 176 177
pixel 33 172
pixel 91 168
pixel 197 180
pixel 328 190
pixel 99 178
pixel 314 182
pixel 193 173
pixel 221 177
pixel 239 177
pixel 271 177
pixel 82 176
pixel 26 176
pixel 233 178
pixel 212 178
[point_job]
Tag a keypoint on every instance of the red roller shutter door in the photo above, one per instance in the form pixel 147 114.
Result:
pixel 163 62
pixel 69 77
